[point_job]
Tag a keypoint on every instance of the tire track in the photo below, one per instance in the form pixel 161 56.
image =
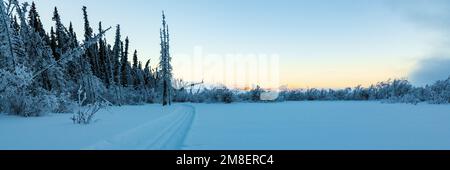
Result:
pixel 165 133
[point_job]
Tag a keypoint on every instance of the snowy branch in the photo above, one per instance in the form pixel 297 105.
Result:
pixel 74 53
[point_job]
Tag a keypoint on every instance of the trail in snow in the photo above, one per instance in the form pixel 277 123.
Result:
pixel 165 133
pixel 57 132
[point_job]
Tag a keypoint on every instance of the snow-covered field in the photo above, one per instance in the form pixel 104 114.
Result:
pixel 289 125
pixel 320 125
pixel 130 127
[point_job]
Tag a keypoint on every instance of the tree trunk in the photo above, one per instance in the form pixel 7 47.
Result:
pixel 165 93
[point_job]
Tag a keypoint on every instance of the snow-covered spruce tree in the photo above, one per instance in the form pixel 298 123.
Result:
pixel 101 53
pixel 104 61
pixel 72 68
pixel 73 37
pixel 7 38
pixel 165 67
pixel 35 22
pixel 109 67
pixel 89 64
pixel 147 92
pixel 116 56
pixel 19 36
pixel 135 60
pixel 130 78
pixel 124 66
pixel 147 74
pixel 137 72
pixel 62 38
pixel 116 89
pixel 136 79
pixel 139 77
pixel 61 42
pixel 135 69
pixel 92 51
pixel 149 83
pixel 151 76
pixel 53 44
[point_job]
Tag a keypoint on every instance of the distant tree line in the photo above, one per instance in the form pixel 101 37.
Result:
pixel 391 91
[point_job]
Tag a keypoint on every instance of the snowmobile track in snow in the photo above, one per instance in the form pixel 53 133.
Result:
pixel 165 133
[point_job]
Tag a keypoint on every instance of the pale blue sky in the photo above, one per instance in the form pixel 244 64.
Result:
pixel 320 43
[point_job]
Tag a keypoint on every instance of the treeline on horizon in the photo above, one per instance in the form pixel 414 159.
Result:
pixel 390 91
pixel 43 71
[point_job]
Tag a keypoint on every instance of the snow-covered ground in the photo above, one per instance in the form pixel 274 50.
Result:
pixel 130 127
pixel 320 125
pixel 289 125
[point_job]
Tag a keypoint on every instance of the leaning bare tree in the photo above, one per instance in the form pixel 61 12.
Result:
pixel 86 112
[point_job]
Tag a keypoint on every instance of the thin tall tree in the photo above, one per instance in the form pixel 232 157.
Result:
pixel 165 66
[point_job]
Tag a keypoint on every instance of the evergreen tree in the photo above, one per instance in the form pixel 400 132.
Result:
pixel 109 62
pixel 19 40
pixel 124 65
pixel 62 38
pixel 73 71
pixel 71 31
pixel 53 41
pixel 140 65
pixel 139 77
pixel 35 23
pixel 116 56
pixel 165 66
pixel 23 37
pixel 73 37
pixel 7 54
pixel 135 60
pixel 92 51
pixel 130 78
pixel 147 75
pixel 104 61
pixel 135 69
